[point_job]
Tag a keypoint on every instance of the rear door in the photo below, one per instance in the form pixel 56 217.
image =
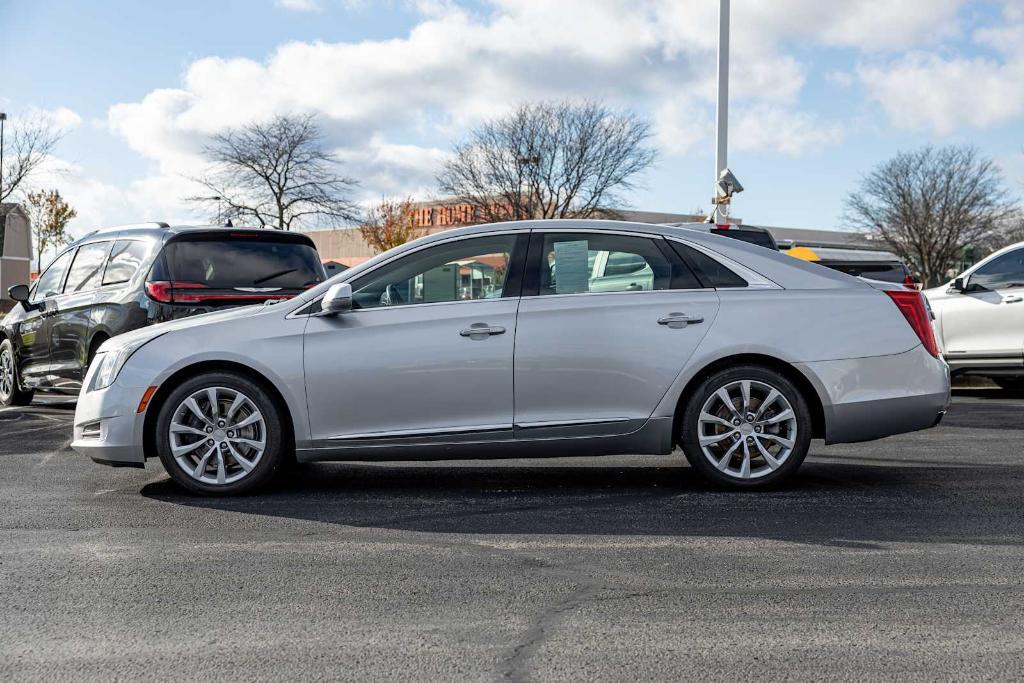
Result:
pixel 70 321
pixel 596 352
pixel 200 272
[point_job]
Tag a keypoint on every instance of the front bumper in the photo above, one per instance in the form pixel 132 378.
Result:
pixel 108 427
pixel 871 398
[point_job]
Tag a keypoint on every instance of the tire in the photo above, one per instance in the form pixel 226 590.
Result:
pixel 11 393
pixel 785 440
pixel 240 460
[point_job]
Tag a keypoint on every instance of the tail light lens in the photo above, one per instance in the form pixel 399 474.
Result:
pixel 166 292
pixel 912 306
pixel 195 293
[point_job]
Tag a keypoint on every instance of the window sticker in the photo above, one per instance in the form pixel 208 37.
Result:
pixel 571 272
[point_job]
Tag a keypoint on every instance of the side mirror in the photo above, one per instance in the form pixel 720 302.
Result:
pixel 338 299
pixel 958 285
pixel 19 293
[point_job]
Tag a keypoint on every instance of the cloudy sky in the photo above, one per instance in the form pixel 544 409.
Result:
pixel 822 91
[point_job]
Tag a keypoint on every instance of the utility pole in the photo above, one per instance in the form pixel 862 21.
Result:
pixel 3 117
pixel 720 213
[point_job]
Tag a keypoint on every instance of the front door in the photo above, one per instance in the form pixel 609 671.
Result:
pixel 425 353
pixel 986 320
pixel 597 347
pixel 33 332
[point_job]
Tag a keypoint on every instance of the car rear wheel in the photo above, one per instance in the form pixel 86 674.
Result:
pixel 10 389
pixel 746 427
pixel 220 434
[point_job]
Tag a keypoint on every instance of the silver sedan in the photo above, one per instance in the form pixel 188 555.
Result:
pixel 526 339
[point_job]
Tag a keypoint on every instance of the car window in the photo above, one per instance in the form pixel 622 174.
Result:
pixel 1002 272
pixel 124 261
pixel 463 270
pixel 87 268
pixel 240 260
pixel 710 271
pixel 49 283
pixel 577 263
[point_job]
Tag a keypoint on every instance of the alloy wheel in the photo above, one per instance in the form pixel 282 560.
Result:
pixel 6 374
pixel 217 435
pixel 747 429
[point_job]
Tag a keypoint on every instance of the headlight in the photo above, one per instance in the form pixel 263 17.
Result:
pixel 108 364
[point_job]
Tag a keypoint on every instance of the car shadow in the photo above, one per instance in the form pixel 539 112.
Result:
pixel 847 505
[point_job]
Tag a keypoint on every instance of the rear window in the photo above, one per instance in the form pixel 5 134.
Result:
pixel 222 262
pixel 884 272
pixel 761 239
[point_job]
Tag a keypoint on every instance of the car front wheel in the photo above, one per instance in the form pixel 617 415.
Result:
pixel 10 390
pixel 220 434
pixel 746 427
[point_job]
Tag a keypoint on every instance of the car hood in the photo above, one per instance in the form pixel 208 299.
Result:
pixel 203 320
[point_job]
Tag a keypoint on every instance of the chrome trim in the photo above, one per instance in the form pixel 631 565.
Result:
pixel 570 423
pixel 412 433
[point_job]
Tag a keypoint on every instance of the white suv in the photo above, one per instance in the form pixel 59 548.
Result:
pixel 979 318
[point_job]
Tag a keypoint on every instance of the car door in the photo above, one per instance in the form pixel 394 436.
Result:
pixel 33 332
pixel 426 351
pixel 71 315
pixel 595 354
pixel 986 319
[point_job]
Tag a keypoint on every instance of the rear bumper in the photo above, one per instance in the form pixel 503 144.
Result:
pixel 871 398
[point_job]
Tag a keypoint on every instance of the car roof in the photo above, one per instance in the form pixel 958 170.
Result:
pixel 165 232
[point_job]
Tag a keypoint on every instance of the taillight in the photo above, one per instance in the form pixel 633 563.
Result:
pixel 166 292
pixel 911 305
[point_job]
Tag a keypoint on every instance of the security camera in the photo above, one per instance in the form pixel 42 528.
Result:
pixel 728 184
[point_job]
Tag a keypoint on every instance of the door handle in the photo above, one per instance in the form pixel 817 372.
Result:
pixel 1012 299
pixel 678 321
pixel 478 331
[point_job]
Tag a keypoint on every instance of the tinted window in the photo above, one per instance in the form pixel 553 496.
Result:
pixel 575 263
pixel 761 239
pixel 1000 273
pixel 710 272
pixel 884 272
pixel 226 263
pixel 125 259
pixel 456 271
pixel 87 268
pixel 49 283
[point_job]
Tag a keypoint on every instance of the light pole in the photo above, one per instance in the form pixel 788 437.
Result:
pixel 725 183
pixel 3 117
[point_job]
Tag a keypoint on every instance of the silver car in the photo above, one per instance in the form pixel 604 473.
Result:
pixel 526 339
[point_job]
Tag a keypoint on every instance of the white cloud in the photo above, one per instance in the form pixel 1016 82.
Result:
pixel 942 93
pixel 299 5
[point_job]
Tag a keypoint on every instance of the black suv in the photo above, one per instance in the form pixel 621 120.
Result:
pixel 119 279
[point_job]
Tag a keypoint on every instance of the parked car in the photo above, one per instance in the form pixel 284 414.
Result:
pixel 737 353
pixel 873 265
pixel 120 279
pixel 751 234
pixel 979 318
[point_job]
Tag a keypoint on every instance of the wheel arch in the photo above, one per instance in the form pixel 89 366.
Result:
pixel 190 371
pixel 790 372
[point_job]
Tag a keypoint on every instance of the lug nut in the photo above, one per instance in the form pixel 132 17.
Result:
pixel 735 422
pixel 210 442
pixel 750 440
pixel 209 430
pixel 758 429
pixel 750 417
pixel 223 445
pixel 221 423
pixel 231 435
pixel 736 437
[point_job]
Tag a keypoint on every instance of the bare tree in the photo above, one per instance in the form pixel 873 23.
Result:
pixel 278 174
pixel 389 224
pixel 49 216
pixel 929 204
pixel 29 142
pixel 549 160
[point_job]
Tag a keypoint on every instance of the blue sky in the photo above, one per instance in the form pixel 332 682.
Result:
pixel 821 91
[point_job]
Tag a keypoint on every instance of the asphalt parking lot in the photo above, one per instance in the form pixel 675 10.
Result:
pixel 901 558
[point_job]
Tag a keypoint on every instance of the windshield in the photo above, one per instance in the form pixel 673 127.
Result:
pixel 228 263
